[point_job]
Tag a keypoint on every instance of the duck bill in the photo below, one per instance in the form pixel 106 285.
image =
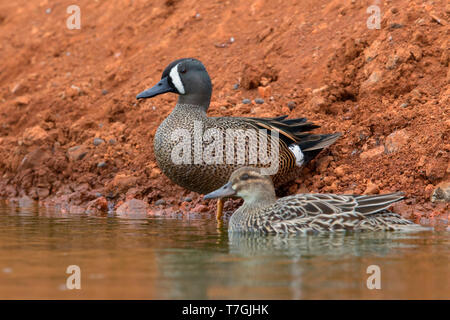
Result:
pixel 225 191
pixel 161 87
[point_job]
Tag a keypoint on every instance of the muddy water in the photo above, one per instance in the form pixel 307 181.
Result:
pixel 192 259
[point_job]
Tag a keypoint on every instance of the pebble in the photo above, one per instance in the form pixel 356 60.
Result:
pixel 372 152
pixel 265 92
pixel 48 10
pixel 104 92
pixel 112 141
pixel 77 153
pixel 291 105
pixel 101 164
pixel 188 199
pixel 372 188
pixel 404 105
pixel 259 101
pixel 22 101
pixel 160 202
pixel 340 171
pixel 7 270
pixel 246 101
pixel 236 86
pixel 98 141
pixel 396 26
pixel 396 140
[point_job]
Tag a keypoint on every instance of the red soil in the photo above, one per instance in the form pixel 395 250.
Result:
pixel 387 91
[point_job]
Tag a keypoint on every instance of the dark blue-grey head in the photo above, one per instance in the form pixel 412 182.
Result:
pixel 188 78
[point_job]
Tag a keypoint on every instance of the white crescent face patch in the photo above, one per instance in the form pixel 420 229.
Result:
pixel 176 80
pixel 298 154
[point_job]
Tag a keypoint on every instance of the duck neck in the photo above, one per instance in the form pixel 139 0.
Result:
pixel 200 101
pixel 190 109
pixel 249 211
pixel 259 198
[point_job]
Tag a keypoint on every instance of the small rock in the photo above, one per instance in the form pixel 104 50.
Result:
pixel 441 193
pixel 372 152
pixel 395 26
pixel 155 173
pixel 7 270
pixel 259 101
pixel 264 81
pixel 404 105
pixel 188 199
pixel 77 153
pixel 34 135
pixel 340 171
pixel 374 78
pixel 318 102
pixel 97 206
pixel 371 188
pixel 123 182
pixel 160 202
pixel 265 92
pixel 112 141
pixel 74 91
pixel 101 164
pixel 320 90
pixel 396 140
pixel 98 141
pixel 133 208
pixel 392 62
pixel 291 105
pixel 246 101
pixel 104 92
pixel 22 101
pixel 236 86
pixel 435 170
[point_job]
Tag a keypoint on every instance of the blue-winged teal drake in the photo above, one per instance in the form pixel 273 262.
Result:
pixel 189 79
pixel 306 213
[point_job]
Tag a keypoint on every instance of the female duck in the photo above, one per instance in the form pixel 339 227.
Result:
pixel 306 213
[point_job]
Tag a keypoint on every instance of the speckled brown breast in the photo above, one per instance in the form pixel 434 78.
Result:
pixel 204 178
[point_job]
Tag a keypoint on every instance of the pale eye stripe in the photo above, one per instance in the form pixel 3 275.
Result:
pixel 176 80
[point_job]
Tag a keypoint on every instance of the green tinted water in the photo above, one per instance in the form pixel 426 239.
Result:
pixel 191 259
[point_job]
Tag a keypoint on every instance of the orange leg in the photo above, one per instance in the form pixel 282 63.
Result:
pixel 219 213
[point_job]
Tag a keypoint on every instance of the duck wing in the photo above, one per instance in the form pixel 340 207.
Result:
pixel 297 144
pixel 331 212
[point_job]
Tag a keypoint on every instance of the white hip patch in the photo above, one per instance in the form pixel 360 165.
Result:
pixel 176 80
pixel 298 154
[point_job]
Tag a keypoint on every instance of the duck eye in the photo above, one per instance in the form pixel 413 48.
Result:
pixel 244 177
pixel 182 68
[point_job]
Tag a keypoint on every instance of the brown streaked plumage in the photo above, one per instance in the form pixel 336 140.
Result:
pixel 307 213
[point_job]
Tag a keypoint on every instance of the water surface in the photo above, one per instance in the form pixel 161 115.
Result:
pixel 160 258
